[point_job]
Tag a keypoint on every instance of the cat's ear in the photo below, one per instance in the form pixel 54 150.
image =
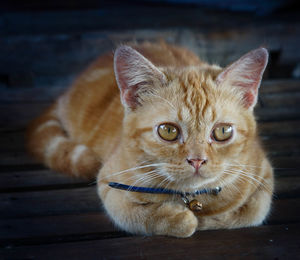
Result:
pixel 246 74
pixel 135 75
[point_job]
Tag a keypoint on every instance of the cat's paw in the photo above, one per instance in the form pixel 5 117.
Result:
pixel 174 220
pixel 183 224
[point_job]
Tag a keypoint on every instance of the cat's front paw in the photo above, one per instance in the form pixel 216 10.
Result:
pixel 175 221
pixel 183 224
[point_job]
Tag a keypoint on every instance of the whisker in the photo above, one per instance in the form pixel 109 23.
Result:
pixel 169 181
pixel 254 166
pixel 259 182
pixel 230 185
pixel 243 165
pixel 149 178
pixel 239 177
pixel 247 172
pixel 132 169
pixel 143 177
pixel 245 175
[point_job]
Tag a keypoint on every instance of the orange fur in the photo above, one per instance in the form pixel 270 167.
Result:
pixel 88 127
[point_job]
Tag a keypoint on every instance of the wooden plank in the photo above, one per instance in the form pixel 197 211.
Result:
pixel 280 208
pixel 12 140
pixel 57 56
pixel 61 227
pixel 33 230
pixel 37 180
pixel 38 94
pixel 282 99
pixel 277 113
pixel 247 33
pixel 286 163
pixel 94 4
pixel 266 242
pixel 279 86
pixel 17 158
pixel 19 114
pixel 287 187
pixel 282 146
pixel 49 202
pixel 280 129
pixel 74 51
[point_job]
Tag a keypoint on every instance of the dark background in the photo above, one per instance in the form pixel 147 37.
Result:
pixel 48 42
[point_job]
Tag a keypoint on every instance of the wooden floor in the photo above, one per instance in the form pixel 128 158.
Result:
pixel 45 215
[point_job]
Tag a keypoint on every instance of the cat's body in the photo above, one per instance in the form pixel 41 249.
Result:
pixel 89 128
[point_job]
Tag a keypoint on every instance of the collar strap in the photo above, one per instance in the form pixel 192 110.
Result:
pixel 120 186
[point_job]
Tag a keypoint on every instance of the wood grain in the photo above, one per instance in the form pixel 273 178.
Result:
pixel 265 242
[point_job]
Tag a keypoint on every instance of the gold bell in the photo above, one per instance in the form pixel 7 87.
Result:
pixel 195 205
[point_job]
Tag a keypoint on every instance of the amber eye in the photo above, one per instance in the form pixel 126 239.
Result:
pixel 222 132
pixel 168 132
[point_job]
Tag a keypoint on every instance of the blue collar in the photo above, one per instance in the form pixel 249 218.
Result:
pixel 193 205
pixel 120 186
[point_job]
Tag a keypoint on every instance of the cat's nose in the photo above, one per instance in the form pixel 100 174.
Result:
pixel 196 163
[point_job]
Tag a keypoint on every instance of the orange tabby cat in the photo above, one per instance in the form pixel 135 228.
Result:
pixel 181 124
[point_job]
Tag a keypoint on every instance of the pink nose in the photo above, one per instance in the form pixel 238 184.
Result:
pixel 196 163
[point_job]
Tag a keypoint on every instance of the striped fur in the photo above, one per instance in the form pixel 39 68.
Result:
pixel 90 126
pixel 49 143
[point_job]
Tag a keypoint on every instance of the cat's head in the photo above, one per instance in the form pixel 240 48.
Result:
pixel 190 123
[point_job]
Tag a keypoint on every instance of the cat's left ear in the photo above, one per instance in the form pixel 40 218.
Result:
pixel 136 76
pixel 246 74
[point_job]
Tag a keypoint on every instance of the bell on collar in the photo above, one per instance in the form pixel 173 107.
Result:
pixel 195 205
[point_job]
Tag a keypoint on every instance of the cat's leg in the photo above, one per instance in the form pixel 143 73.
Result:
pixel 166 218
pixel 251 213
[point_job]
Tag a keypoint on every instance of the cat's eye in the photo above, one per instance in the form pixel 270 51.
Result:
pixel 222 132
pixel 168 132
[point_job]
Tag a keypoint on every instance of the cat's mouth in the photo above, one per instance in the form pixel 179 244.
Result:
pixel 198 173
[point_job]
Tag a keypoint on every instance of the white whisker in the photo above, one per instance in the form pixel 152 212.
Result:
pixel 243 165
pixel 249 176
pixel 132 169
pixel 142 177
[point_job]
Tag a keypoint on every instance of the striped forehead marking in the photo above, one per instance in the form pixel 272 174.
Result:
pixel 196 98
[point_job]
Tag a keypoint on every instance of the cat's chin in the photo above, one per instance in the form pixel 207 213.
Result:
pixel 197 182
pixel 201 174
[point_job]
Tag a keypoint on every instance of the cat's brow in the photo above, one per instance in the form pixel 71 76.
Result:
pixel 165 100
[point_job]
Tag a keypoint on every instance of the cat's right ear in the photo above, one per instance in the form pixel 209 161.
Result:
pixel 135 75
